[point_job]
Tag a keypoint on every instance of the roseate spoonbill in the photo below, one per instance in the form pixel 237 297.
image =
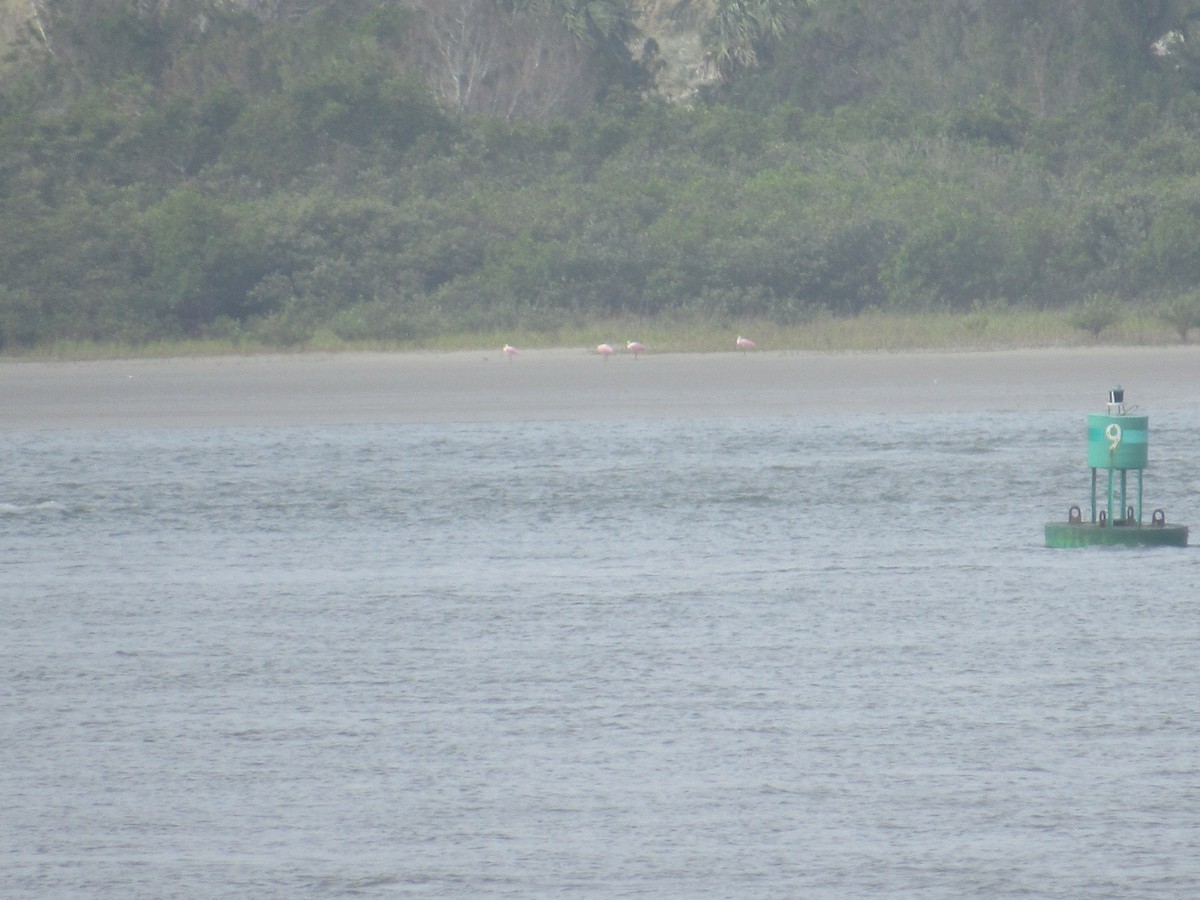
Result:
pixel 744 343
pixel 510 351
pixel 605 350
pixel 635 347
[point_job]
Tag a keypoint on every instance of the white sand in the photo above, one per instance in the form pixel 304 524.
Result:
pixel 353 388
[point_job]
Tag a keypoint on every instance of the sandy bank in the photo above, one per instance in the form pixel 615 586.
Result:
pixel 360 388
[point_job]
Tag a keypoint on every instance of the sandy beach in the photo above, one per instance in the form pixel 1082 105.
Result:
pixel 400 388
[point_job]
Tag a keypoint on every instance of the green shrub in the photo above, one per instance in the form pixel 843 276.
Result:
pixel 1096 313
pixel 1182 313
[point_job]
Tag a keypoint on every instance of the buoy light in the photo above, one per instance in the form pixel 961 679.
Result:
pixel 1116 401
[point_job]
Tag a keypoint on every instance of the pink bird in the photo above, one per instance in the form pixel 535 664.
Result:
pixel 635 347
pixel 605 350
pixel 510 351
pixel 744 343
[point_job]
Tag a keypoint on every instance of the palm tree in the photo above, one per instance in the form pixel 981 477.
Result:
pixel 741 33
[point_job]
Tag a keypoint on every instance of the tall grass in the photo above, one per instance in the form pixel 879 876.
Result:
pixel 869 332
pixel 978 330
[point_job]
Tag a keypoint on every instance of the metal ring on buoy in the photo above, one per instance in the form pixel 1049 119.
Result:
pixel 1075 515
pixel 1113 433
pixel 1159 519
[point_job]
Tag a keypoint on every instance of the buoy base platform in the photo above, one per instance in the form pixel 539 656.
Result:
pixel 1087 534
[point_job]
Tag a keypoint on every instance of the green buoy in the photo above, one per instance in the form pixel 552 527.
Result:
pixel 1118 443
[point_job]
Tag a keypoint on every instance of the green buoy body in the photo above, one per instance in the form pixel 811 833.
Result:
pixel 1118 446
pixel 1118 442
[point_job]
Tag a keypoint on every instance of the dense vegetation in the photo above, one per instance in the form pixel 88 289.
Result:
pixel 274 170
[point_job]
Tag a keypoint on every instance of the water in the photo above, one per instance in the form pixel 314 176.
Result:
pixel 815 657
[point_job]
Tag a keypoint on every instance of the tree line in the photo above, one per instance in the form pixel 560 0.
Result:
pixel 398 170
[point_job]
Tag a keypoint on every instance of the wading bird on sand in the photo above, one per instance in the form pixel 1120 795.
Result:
pixel 510 351
pixel 635 347
pixel 605 350
pixel 744 343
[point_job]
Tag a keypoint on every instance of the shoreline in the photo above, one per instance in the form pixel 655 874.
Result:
pixel 420 387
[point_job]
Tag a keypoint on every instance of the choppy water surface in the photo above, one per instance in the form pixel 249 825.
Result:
pixel 801 657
